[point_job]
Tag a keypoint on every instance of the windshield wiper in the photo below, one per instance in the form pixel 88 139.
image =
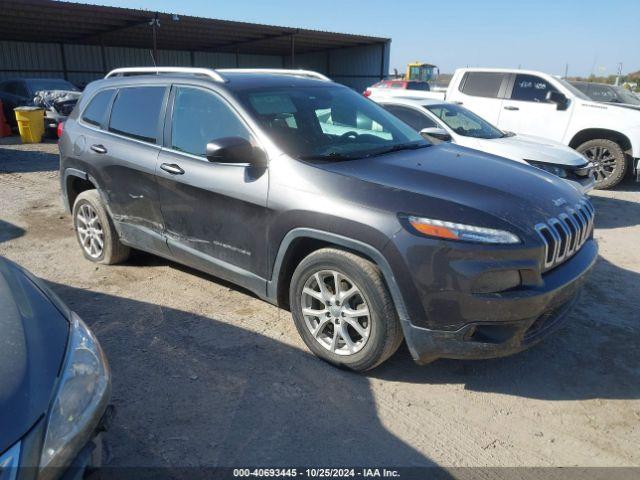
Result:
pixel 399 147
pixel 335 156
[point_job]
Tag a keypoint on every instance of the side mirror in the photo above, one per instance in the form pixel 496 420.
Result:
pixel 235 150
pixel 558 98
pixel 436 132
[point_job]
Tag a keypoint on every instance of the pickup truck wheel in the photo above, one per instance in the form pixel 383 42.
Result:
pixel 343 310
pixel 95 232
pixel 611 164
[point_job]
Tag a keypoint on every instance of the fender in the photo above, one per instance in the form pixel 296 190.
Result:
pixel 357 246
pixel 70 172
pixel 74 172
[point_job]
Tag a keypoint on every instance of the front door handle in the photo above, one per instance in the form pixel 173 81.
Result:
pixel 509 107
pixel 101 149
pixel 172 168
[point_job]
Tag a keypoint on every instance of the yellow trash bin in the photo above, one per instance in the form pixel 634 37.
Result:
pixel 30 123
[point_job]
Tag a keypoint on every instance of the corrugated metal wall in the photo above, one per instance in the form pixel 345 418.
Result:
pixel 357 67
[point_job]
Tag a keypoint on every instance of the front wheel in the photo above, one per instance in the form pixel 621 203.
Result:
pixel 343 310
pixel 609 159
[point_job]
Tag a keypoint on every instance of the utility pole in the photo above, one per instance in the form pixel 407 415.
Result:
pixel 619 74
pixel 566 70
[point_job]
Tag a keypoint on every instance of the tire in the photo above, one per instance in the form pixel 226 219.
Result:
pixel 92 226
pixel 379 334
pixel 611 164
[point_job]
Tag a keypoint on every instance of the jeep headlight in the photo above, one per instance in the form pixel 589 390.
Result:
pixel 460 231
pixel 81 398
pixel 557 170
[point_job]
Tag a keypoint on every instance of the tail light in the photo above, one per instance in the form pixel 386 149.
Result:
pixel 366 93
pixel 60 129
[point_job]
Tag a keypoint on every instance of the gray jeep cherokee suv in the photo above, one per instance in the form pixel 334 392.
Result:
pixel 318 200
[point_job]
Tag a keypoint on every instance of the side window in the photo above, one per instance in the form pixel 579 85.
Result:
pixel 96 111
pixel 482 84
pixel 200 116
pixel 529 88
pixel 136 112
pixel 414 119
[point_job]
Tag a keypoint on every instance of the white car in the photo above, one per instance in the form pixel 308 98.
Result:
pixel 536 103
pixel 444 121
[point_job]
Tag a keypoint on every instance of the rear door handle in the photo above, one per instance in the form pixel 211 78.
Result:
pixel 99 149
pixel 459 103
pixel 172 168
pixel 509 107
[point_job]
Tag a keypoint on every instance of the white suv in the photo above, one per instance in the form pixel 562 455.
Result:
pixel 535 103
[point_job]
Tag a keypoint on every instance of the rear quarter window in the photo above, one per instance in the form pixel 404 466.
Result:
pixel 482 84
pixel 136 112
pixel 96 111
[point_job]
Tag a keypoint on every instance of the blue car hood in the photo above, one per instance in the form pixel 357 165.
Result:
pixel 33 341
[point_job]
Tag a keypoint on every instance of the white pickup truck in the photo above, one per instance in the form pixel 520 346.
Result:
pixel 535 103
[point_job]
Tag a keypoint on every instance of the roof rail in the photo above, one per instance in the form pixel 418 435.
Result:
pixel 207 72
pixel 279 71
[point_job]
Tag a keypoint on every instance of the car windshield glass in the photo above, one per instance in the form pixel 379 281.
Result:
pixel 626 97
pixel 50 84
pixel 464 122
pixel 327 123
pixel 573 90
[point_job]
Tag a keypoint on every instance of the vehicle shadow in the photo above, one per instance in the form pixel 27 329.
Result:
pixel 192 391
pixel 9 231
pixel 595 355
pixel 629 184
pixel 139 258
pixel 615 212
pixel 16 160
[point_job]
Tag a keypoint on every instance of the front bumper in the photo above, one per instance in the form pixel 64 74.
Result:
pixel 86 459
pixel 507 322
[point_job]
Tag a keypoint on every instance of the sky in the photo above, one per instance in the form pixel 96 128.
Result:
pixel 591 36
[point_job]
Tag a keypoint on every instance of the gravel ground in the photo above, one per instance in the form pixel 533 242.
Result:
pixel 206 374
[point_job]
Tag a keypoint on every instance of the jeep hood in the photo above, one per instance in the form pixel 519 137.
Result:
pixel 515 193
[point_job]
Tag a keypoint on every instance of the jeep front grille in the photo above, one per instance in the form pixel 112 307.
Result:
pixel 565 234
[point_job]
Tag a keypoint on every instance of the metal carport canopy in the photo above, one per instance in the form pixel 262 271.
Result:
pixel 74 23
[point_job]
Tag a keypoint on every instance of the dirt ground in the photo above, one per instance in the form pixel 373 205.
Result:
pixel 206 374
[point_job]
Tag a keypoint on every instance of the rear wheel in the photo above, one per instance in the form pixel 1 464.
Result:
pixel 343 310
pixel 95 232
pixel 609 159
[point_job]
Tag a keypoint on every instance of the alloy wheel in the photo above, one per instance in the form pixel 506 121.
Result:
pixel 90 231
pixel 336 312
pixel 604 160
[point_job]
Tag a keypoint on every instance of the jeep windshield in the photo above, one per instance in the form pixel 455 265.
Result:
pixel 331 123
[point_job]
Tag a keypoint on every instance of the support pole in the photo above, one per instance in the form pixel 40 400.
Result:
pixel 103 55
pixel 293 51
pixel 155 24
pixel 63 59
